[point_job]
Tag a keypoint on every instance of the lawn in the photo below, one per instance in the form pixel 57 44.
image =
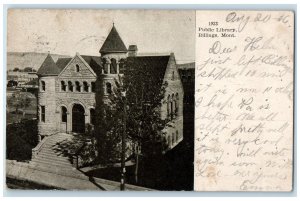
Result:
pixel 14 118
pixel 15 99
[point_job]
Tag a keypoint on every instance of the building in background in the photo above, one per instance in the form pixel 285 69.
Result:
pixel 20 77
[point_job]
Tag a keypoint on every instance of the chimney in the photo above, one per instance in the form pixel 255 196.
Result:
pixel 132 50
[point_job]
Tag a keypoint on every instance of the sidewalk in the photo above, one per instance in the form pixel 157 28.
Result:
pixel 68 179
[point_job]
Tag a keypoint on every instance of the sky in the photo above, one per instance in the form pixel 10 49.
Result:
pixel 69 31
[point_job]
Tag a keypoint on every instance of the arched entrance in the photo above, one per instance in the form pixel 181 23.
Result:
pixel 78 119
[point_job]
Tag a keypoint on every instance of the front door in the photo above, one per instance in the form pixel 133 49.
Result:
pixel 78 119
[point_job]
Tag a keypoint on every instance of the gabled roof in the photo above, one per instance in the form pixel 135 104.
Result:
pixel 89 62
pixel 48 67
pixel 93 61
pixel 113 43
pixel 62 62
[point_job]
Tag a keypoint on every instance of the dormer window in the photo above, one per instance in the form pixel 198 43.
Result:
pixel 77 68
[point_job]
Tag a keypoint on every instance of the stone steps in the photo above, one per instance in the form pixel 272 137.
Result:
pixel 54 141
pixel 51 155
pixel 52 162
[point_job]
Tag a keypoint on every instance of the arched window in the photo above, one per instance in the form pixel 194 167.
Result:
pixel 63 114
pixel 176 103
pixel 173 75
pixel 77 86
pixel 177 136
pixel 168 106
pixel 93 85
pixel 70 86
pixel 92 116
pixel 85 86
pixel 43 86
pixel 77 68
pixel 122 66
pixel 108 88
pixel 113 66
pixel 63 86
pixel 172 106
pixel 105 65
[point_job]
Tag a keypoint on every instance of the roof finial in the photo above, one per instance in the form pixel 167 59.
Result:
pixel 113 23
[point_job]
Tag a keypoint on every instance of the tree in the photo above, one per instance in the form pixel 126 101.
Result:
pixel 18 101
pixel 107 134
pixel 144 126
pixel 12 83
pixel 21 138
pixel 16 70
pixel 28 69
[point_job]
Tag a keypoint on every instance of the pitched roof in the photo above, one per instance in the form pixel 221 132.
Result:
pixel 154 67
pixel 48 67
pixel 113 43
pixel 62 62
pixel 94 62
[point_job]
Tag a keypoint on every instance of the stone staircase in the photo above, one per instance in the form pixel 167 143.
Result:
pixel 52 153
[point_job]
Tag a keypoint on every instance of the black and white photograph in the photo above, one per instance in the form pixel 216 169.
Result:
pixel 100 100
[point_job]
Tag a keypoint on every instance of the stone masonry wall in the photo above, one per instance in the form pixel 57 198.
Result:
pixel 174 86
pixel 47 98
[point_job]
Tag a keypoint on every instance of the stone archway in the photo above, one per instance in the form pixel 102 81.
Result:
pixel 78 119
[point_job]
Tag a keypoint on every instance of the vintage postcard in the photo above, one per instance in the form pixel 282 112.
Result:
pixel 149 100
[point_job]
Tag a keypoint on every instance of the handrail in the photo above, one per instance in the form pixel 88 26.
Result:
pixel 76 154
pixel 36 150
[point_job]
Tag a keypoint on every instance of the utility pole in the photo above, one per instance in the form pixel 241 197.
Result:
pixel 123 169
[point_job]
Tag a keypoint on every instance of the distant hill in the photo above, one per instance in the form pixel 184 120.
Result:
pixel 34 60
